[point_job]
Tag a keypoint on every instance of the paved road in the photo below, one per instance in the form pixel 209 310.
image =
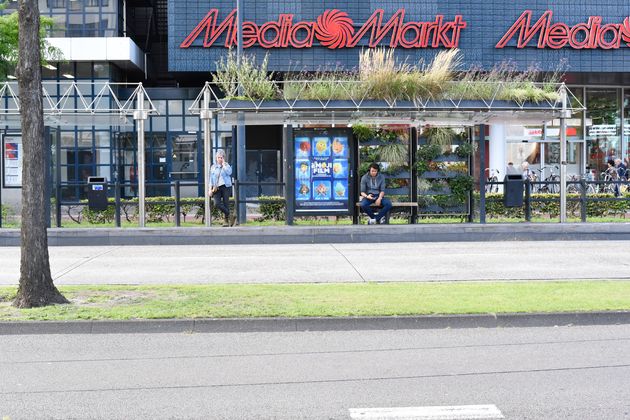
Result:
pixel 330 262
pixel 535 373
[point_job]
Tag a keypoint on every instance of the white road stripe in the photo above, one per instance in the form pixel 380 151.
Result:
pixel 429 413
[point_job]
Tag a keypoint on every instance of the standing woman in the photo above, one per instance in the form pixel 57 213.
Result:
pixel 220 186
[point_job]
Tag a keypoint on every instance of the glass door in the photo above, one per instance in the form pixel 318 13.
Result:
pixel 184 165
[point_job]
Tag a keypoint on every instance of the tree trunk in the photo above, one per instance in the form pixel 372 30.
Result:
pixel 36 285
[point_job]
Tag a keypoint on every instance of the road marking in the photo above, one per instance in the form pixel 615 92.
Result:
pixel 451 412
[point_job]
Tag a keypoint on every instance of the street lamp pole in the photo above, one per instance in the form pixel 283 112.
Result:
pixel 240 123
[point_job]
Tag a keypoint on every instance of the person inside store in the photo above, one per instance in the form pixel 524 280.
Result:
pixel 511 169
pixel 622 170
pixel 373 192
pixel 527 173
pixel 221 185
pixel 612 175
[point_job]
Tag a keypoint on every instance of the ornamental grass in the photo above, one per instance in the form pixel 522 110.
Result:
pixel 381 77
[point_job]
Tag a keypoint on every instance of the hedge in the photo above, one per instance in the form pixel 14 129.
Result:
pixel 158 209
pixel 162 209
pixel 549 205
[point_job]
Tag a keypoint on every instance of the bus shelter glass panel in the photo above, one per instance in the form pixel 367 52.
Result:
pixel 603 126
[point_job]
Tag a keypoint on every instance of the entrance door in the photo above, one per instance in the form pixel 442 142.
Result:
pixel 156 164
pixel 185 165
pixel 263 166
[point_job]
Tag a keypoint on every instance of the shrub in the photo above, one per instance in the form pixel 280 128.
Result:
pixel 461 186
pixel 272 207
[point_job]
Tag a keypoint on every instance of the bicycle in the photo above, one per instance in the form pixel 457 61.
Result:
pixel 609 186
pixel 552 182
pixel 492 182
pixel 574 183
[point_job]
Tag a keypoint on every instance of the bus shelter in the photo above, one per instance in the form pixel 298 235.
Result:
pixel 347 106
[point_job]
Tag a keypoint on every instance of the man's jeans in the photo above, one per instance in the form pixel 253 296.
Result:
pixel 386 204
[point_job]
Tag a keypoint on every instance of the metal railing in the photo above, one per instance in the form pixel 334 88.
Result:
pixel 120 203
pixel 583 193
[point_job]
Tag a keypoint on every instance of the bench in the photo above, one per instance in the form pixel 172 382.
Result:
pixel 407 204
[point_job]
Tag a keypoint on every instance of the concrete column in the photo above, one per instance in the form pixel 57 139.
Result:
pixel 497 151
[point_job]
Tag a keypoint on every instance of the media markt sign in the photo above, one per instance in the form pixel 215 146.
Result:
pixel 332 29
pixel 335 29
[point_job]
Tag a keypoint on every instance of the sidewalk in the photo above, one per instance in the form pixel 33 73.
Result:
pixel 331 263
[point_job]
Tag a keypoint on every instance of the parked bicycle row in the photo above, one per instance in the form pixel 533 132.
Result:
pixel 614 180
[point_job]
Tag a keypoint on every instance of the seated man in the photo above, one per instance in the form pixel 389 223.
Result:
pixel 373 192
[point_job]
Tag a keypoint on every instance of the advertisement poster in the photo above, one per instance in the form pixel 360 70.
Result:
pixel 322 169
pixel 12 160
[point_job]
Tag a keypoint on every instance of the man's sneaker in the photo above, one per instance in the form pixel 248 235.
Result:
pixel 371 221
pixel 382 220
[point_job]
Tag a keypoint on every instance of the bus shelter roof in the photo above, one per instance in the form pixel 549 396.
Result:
pixel 460 107
pixel 83 104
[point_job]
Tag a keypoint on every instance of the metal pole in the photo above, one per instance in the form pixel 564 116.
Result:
pixel 239 38
pixel 140 115
pixel 178 209
pixel 564 114
pixel 482 174
pixel 241 148
pixel 206 118
pixel 117 202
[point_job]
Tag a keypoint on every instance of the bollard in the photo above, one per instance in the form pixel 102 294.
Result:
pixel 117 203
pixel 58 204
pixel 177 207
pixel 583 200
pixel 528 200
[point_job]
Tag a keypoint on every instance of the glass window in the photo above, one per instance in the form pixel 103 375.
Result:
pixel 626 127
pixel 67 139
pixel 192 123
pixel 101 70
pixel 67 69
pixel 521 152
pixel 160 105
pixel 55 4
pixel 575 130
pixel 175 108
pixel 157 140
pixel 85 139
pixel 552 153
pixel 158 123
pixel 102 139
pixel 603 125
pixel 48 73
pixel 175 124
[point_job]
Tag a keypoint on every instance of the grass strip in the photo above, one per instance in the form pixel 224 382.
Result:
pixel 324 300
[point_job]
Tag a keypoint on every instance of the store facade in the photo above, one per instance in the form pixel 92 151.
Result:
pixel 173 46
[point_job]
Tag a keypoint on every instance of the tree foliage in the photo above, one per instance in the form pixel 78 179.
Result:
pixel 9 29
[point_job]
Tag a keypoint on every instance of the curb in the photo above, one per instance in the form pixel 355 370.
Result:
pixel 466 232
pixel 315 324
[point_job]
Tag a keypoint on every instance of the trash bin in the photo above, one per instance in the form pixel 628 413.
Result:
pixel 97 193
pixel 513 188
